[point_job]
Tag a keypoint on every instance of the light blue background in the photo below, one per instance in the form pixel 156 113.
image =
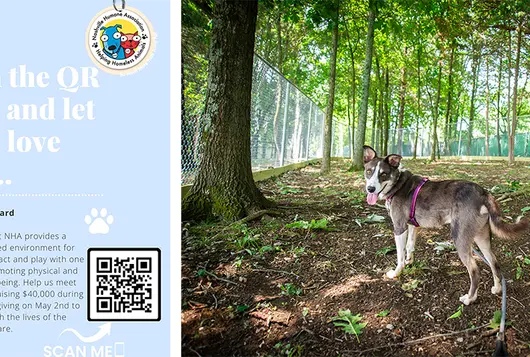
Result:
pixel 123 154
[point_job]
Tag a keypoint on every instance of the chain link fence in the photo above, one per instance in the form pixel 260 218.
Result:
pixel 457 139
pixel 286 126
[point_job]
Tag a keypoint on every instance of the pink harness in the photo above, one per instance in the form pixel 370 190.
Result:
pixel 412 218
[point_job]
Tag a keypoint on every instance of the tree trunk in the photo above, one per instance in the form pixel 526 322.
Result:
pixel 474 68
pixel 511 142
pixel 224 186
pixel 374 115
pixel 508 100
pixel 487 143
pixel 436 111
pixel 278 85
pixel 387 113
pixel 361 127
pixel 328 122
pixel 418 113
pixel 447 130
pixel 401 112
pixel 499 106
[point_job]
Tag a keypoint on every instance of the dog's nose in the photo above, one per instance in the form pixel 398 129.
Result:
pixel 371 189
pixel 112 48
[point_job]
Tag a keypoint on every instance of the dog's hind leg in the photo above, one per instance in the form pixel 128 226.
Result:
pixel 401 240
pixel 463 238
pixel 411 241
pixel 483 241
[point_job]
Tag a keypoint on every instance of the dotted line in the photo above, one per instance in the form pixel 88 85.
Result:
pixel 51 195
pixel 7 182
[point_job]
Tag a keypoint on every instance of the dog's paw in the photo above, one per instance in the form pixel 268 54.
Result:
pixel 391 274
pixel 496 289
pixel 466 300
pixel 409 260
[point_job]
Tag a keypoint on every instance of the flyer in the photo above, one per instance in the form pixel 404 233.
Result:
pixel 84 179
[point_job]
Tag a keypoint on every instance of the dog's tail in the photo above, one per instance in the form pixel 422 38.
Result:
pixel 498 226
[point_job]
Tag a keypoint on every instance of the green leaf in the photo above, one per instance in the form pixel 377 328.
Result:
pixel 383 313
pixel 495 322
pixel 349 323
pixel 457 314
pixel 411 285
pixel 242 308
pixel 305 311
pixel 525 209
pixel 385 250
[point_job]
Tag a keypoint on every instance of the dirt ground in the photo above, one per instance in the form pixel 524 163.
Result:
pixel 271 288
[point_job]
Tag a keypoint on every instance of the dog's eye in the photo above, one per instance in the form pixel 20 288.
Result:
pixel 368 172
pixel 117 35
pixel 104 38
pixel 383 174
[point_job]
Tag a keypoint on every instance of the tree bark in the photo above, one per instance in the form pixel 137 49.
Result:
pixel 374 115
pixel 328 122
pixel 224 186
pixel 511 141
pixel 418 112
pixel 487 143
pixel 447 130
pixel 279 64
pixel 499 106
pixel 474 69
pixel 436 111
pixel 361 127
pixel 387 112
pixel 401 112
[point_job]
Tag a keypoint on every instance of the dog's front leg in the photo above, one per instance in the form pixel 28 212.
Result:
pixel 411 241
pixel 401 240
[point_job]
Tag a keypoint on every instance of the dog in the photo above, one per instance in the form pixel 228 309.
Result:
pixel 111 38
pixel 414 201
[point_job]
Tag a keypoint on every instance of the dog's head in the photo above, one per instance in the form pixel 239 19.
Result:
pixel 111 38
pixel 380 173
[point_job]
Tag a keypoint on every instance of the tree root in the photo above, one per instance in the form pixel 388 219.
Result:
pixel 257 215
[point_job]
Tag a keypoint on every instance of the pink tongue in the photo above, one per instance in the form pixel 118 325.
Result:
pixel 371 198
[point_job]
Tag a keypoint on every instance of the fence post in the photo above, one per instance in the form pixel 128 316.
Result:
pixel 308 131
pixel 282 154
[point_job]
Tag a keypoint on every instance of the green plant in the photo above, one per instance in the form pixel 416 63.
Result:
pixel 350 323
pixel 242 308
pixel 414 269
pixel 411 285
pixel 525 209
pixel 440 247
pixel 495 321
pixel 284 190
pixel 383 313
pixel 385 250
pixel 458 313
pixel 287 350
pixel 290 289
pixel 373 218
pixel 313 225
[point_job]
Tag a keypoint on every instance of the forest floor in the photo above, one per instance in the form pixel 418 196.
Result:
pixel 272 286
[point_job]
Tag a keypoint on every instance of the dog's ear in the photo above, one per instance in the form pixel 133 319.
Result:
pixel 103 28
pixel 393 160
pixel 368 154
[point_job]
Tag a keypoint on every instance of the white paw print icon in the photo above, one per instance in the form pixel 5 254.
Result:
pixel 99 222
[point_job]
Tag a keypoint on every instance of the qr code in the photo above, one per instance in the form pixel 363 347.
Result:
pixel 124 284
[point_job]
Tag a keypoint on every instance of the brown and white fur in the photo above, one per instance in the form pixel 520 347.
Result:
pixel 470 210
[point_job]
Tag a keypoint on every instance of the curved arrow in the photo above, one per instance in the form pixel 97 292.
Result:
pixel 103 330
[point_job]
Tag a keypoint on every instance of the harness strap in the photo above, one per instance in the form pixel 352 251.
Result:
pixel 412 219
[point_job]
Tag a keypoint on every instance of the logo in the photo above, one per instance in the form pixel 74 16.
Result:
pixel 120 41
